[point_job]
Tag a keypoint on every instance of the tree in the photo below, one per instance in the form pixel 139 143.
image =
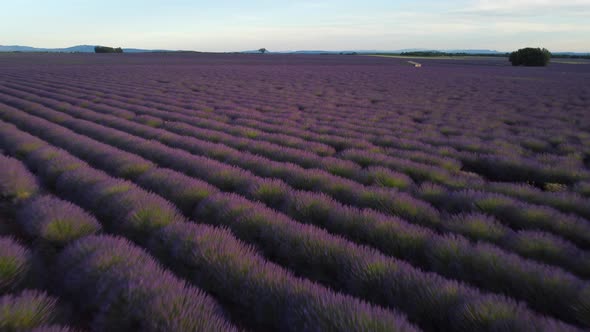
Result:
pixel 530 57
pixel 106 49
pixel 262 50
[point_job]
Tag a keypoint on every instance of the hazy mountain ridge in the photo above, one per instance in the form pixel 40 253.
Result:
pixel 379 51
pixel 90 49
pixel 72 49
pixel 455 51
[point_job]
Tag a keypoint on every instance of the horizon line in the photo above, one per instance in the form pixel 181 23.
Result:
pixel 405 49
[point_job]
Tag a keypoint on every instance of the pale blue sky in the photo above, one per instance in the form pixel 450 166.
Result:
pixel 225 25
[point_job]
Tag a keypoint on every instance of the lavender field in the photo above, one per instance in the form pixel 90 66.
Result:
pixel 235 192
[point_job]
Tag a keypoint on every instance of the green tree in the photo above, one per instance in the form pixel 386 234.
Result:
pixel 530 56
pixel 106 49
pixel 263 50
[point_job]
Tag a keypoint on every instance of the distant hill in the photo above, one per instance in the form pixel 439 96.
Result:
pixel 73 49
pixel 90 49
pixel 474 51
pixel 571 53
pixel 380 51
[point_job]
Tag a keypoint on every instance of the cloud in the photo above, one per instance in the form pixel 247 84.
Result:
pixel 527 8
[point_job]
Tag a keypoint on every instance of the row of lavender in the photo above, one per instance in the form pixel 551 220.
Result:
pixel 102 275
pixel 21 307
pixel 568 203
pixel 364 127
pixel 245 91
pixel 567 256
pixel 564 201
pixel 111 263
pixel 520 167
pixel 542 219
pixel 106 272
pixel 39 127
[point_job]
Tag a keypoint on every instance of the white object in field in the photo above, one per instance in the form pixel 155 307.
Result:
pixel 415 64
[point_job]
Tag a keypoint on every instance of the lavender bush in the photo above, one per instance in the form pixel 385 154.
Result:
pixel 126 289
pixel 56 221
pixel 16 182
pixel 15 264
pixel 27 310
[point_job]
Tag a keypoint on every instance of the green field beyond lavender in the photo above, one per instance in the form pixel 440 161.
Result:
pixel 234 192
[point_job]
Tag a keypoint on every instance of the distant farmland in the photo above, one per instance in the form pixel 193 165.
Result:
pixel 213 192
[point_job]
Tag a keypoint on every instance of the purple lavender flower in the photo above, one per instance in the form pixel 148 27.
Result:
pixel 16 182
pixel 124 288
pixel 270 296
pixel 15 263
pixel 27 310
pixel 55 221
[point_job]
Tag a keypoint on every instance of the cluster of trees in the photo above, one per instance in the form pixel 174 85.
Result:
pixel 106 49
pixel 425 53
pixel 445 54
pixel 530 56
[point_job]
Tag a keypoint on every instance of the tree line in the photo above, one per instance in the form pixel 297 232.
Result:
pixel 106 49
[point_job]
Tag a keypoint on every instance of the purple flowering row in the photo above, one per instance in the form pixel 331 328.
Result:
pixel 348 171
pixel 333 165
pixel 405 124
pixel 167 111
pixel 417 171
pixel 347 191
pixel 329 166
pixel 128 290
pixel 69 182
pixel 317 266
pixel 116 105
pixel 541 246
pixel 521 169
pixel 537 273
pixel 277 299
pixel 568 202
pixel 58 223
pixel 139 89
pixel 277 196
pixel 20 309
pixel 144 216
pixel 514 213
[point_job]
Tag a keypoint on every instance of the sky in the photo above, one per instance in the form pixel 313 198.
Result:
pixel 281 25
